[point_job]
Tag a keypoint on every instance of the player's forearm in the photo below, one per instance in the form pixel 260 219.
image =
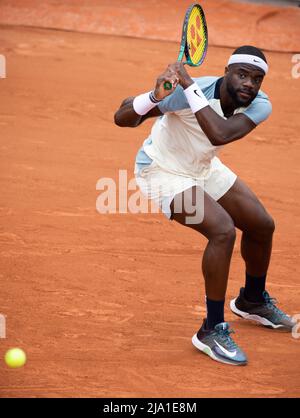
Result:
pixel 217 130
pixel 223 131
pixel 126 116
pixel 214 126
pixel 210 122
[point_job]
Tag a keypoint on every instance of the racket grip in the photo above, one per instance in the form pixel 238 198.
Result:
pixel 167 85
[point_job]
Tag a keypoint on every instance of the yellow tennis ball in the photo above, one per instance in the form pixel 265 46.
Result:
pixel 15 357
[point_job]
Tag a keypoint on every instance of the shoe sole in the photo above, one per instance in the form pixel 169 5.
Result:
pixel 263 321
pixel 207 350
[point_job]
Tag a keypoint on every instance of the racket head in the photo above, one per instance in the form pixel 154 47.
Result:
pixel 194 40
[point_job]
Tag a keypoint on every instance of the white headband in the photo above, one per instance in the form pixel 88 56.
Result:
pixel 248 59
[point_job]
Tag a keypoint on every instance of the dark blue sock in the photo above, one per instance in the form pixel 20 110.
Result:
pixel 254 288
pixel 215 313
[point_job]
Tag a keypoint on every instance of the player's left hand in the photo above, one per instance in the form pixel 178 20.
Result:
pixel 184 78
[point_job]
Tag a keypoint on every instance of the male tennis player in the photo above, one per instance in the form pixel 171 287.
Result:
pixel 195 118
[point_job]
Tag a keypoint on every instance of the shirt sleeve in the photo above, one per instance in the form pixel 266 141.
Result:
pixel 259 110
pixel 173 102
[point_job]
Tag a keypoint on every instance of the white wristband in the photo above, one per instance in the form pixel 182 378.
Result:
pixel 142 104
pixel 195 97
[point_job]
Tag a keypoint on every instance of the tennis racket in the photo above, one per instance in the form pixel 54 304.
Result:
pixel 194 39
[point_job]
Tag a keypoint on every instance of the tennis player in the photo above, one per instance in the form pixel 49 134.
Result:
pixel 179 158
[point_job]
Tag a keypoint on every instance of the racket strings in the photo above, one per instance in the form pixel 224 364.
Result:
pixel 196 36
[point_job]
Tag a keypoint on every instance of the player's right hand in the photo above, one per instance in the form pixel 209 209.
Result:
pixel 168 75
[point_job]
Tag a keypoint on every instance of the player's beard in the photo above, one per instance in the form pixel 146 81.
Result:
pixel 236 99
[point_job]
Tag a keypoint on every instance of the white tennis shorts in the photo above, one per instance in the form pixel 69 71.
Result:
pixel 162 186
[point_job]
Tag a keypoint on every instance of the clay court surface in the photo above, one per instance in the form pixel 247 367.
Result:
pixel 106 305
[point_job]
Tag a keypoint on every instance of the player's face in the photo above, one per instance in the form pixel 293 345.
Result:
pixel 243 82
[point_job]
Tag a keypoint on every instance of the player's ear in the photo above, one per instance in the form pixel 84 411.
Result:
pixel 226 70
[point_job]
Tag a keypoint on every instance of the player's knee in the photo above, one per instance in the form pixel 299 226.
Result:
pixel 263 228
pixel 226 235
pixel 267 225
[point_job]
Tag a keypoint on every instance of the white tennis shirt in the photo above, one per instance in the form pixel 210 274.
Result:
pixel 177 142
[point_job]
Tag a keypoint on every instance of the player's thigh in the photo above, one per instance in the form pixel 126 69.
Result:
pixel 246 210
pixel 215 220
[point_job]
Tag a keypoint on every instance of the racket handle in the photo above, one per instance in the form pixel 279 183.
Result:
pixel 167 85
